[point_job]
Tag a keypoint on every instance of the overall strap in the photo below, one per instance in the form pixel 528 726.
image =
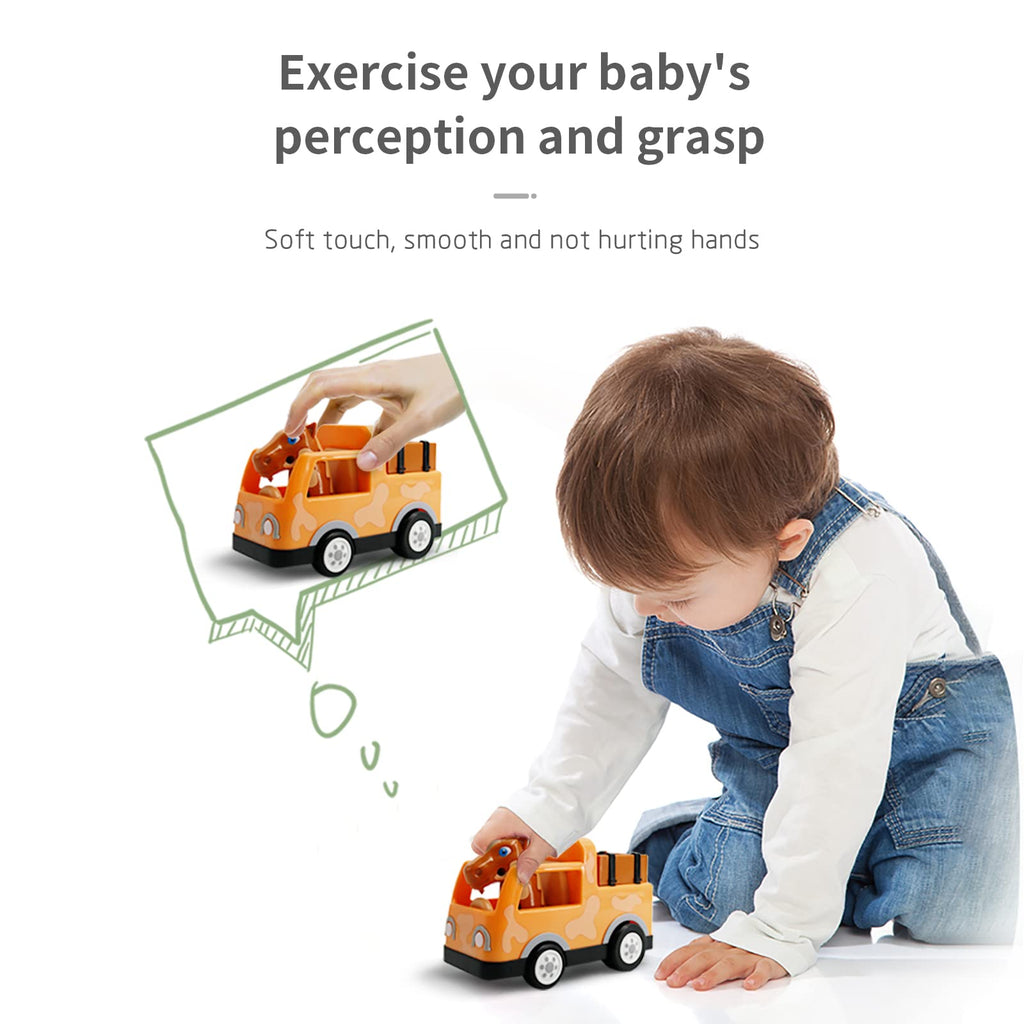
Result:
pixel 847 503
pixel 945 585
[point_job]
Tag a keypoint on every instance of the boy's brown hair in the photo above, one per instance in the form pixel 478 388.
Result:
pixel 692 432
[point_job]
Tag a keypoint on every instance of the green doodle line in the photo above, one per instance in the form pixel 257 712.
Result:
pixel 319 688
pixel 297 641
pixel 369 764
pixel 398 344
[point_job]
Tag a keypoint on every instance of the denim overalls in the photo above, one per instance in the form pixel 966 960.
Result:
pixel 941 856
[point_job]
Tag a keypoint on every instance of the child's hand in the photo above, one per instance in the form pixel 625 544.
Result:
pixel 707 962
pixel 503 824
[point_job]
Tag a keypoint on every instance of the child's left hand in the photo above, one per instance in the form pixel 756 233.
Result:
pixel 707 962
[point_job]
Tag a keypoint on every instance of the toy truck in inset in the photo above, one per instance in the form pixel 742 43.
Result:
pixel 329 510
pixel 582 906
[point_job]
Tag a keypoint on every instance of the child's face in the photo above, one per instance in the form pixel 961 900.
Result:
pixel 722 594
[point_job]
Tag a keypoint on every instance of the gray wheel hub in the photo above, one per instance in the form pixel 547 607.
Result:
pixel 548 968
pixel 338 553
pixel 420 535
pixel 631 948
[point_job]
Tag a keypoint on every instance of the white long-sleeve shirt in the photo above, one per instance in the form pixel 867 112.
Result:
pixel 873 606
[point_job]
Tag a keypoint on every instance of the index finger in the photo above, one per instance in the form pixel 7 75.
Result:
pixel 488 836
pixel 345 382
pixel 679 956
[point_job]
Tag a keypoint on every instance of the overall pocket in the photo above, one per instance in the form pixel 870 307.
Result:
pixel 773 703
pixel 946 749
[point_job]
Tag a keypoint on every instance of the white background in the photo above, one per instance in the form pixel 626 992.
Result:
pixel 179 842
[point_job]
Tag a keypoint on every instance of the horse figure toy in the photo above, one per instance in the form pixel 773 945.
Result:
pixel 281 451
pixel 494 865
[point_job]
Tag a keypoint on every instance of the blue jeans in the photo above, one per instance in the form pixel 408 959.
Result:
pixel 940 858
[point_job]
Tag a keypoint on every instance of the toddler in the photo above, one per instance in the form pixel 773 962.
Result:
pixel 866 747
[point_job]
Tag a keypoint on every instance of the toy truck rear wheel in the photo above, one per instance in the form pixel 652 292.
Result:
pixel 626 949
pixel 333 555
pixel 545 965
pixel 415 536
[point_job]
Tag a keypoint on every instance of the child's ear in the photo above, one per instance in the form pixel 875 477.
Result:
pixel 793 538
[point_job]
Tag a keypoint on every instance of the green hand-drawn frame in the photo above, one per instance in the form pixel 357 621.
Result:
pixel 298 643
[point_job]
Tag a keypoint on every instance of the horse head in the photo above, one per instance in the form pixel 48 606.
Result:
pixel 493 865
pixel 282 451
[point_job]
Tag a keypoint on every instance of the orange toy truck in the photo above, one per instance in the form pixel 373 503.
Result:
pixel 582 906
pixel 330 510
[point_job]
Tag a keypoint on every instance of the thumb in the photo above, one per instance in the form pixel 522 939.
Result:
pixel 525 867
pixel 383 446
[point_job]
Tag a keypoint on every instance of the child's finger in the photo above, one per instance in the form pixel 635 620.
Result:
pixel 693 967
pixel 482 840
pixel 680 956
pixel 525 867
pixel 764 970
pixel 537 851
pixel 728 967
pixel 500 825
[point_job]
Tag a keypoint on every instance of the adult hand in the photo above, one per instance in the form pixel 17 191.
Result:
pixel 415 395
pixel 706 962
pixel 503 824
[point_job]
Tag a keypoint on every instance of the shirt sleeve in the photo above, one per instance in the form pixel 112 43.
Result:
pixel 851 640
pixel 605 725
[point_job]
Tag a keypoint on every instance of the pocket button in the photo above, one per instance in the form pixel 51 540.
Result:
pixel 937 687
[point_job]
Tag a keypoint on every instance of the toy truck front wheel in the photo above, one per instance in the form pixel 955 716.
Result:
pixel 545 965
pixel 333 553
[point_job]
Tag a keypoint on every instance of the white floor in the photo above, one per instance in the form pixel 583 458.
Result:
pixel 870 979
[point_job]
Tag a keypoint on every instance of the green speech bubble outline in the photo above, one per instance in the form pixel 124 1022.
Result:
pixel 297 643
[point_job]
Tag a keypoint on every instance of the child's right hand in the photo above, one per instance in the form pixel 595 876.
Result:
pixel 503 824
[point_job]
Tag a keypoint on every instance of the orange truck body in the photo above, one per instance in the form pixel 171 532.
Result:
pixel 591 900
pixel 329 502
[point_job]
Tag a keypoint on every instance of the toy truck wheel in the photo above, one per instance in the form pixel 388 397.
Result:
pixel 415 536
pixel 626 949
pixel 333 554
pixel 545 966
